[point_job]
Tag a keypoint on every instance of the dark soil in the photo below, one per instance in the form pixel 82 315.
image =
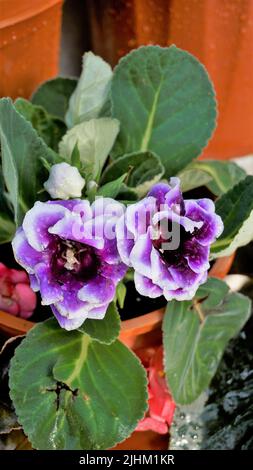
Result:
pixel 136 305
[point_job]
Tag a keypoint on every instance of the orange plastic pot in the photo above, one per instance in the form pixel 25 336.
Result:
pixel 218 32
pixel 136 333
pixel 29 44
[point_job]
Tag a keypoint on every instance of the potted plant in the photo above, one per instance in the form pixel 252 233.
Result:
pixel 29 49
pixel 105 203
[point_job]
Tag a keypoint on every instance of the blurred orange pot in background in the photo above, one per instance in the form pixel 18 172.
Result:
pixel 29 44
pixel 218 32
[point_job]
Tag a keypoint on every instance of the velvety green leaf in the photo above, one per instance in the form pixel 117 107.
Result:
pixel 165 103
pixel 236 210
pixel 221 419
pixel 112 188
pixel 71 392
pixel 54 95
pixel 144 170
pixel 49 128
pixel 105 331
pixel 219 177
pixel 95 139
pixel 91 93
pixel 7 226
pixel 195 334
pixel 22 150
pixel 191 178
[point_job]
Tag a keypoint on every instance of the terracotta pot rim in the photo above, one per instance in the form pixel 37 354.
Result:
pixel 149 321
pixel 33 11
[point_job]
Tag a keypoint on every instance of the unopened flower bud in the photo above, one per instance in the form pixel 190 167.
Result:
pixel 64 182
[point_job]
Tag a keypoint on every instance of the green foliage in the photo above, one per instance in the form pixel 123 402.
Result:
pixel 54 95
pixel 75 157
pixel 7 226
pixel 112 188
pixel 90 97
pixel 144 170
pixel 236 210
pixel 165 103
pixel 72 392
pixel 105 331
pixel 95 139
pixel 49 128
pixel 219 177
pixel 121 291
pixel 195 334
pixel 22 150
pixel 221 419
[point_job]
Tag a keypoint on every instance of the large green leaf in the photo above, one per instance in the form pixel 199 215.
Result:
pixel 236 210
pixel 95 139
pixel 195 334
pixel 54 95
pixel 49 128
pixel 91 93
pixel 145 169
pixel 225 422
pixel 165 103
pixel 72 392
pixel 22 150
pixel 7 226
pixel 216 175
pixel 105 331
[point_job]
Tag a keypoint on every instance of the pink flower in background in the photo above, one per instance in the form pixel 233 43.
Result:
pixel 16 295
pixel 161 405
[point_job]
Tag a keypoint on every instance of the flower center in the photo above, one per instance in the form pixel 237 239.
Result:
pixel 73 260
pixel 171 256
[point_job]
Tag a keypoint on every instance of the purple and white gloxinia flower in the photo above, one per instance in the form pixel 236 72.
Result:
pixel 69 250
pixel 167 239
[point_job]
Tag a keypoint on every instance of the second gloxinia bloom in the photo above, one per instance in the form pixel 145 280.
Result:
pixel 167 239
pixel 70 252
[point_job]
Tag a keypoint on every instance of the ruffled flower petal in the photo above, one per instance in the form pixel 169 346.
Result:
pixel 50 290
pixel 159 192
pixel 212 225
pixel 145 286
pixel 68 324
pixel 97 291
pixel 25 255
pixel 197 256
pixel 125 240
pixel 38 220
pixel 170 242
pixel 140 257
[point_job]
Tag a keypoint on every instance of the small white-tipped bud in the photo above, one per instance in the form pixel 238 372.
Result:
pixel 64 182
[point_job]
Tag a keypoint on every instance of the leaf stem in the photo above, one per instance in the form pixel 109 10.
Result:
pixel 198 309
